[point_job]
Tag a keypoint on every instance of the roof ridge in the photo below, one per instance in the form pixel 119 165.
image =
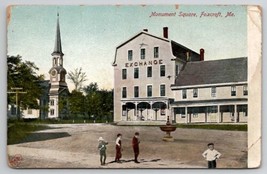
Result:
pixel 218 60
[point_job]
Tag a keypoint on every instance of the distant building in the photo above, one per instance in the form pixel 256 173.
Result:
pixel 145 67
pixel 211 91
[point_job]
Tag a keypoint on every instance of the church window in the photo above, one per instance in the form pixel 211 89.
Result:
pixel 52 102
pixel 52 111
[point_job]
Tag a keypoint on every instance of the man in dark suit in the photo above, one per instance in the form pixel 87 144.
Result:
pixel 135 143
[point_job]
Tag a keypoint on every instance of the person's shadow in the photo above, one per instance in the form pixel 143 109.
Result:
pixel 132 160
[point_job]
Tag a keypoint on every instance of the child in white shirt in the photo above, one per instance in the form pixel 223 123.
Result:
pixel 211 155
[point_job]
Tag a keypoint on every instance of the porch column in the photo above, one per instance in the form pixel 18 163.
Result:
pixel 126 114
pixel 173 115
pixel 186 116
pixel 235 113
pixel 151 111
pixel 167 111
pixel 135 110
pixel 218 114
pixel 121 111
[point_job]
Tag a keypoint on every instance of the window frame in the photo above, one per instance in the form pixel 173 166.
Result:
pixel 142 53
pixel 136 73
pixel 245 90
pixel 136 92
pixel 156 52
pixel 160 91
pixel 195 92
pixel 162 70
pixel 124 74
pixel 149 67
pixel 124 92
pixel 52 102
pixel 233 90
pixel 52 112
pixel 130 56
pixel 147 91
pixel 184 94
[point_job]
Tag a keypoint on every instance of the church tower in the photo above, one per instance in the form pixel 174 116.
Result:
pixel 58 85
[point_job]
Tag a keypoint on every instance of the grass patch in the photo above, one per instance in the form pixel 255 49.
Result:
pixel 59 121
pixel 230 127
pixel 18 131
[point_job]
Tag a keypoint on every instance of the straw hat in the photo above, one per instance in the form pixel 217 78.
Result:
pixel 100 139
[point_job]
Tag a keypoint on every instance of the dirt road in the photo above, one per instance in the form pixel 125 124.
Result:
pixel 75 146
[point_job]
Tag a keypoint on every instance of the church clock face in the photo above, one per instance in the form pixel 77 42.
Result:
pixel 53 73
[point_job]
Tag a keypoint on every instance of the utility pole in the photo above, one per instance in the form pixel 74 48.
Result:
pixel 17 92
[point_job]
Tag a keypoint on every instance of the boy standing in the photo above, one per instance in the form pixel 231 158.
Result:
pixel 211 155
pixel 102 150
pixel 118 148
pixel 135 144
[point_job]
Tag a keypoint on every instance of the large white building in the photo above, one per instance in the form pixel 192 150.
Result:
pixel 145 67
pixel 155 77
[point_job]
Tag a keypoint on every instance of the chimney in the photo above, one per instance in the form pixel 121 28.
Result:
pixel 146 30
pixel 165 32
pixel 201 52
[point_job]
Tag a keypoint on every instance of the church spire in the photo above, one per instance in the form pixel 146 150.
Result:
pixel 58 48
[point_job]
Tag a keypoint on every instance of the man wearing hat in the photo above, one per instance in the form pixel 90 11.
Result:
pixel 102 150
pixel 135 144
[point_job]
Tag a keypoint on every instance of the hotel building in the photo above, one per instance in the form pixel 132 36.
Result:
pixel 145 67
pixel 155 77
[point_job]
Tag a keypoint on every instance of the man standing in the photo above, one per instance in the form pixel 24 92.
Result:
pixel 135 143
pixel 102 150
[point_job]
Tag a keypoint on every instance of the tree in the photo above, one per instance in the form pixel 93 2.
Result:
pixel 99 102
pixel 24 75
pixel 77 77
pixel 91 88
pixel 76 102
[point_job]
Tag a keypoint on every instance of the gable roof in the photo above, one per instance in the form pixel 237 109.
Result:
pixel 138 34
pixel 213 72
pixel 175 46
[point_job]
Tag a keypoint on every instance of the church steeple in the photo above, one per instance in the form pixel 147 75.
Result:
pixel 58 48
pixel 58 86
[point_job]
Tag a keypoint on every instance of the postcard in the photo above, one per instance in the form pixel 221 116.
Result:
pixel 134 86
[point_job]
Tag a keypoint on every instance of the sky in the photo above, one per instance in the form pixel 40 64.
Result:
pixel 90 34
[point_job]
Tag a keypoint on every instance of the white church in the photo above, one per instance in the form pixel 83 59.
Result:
pixel 54 90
